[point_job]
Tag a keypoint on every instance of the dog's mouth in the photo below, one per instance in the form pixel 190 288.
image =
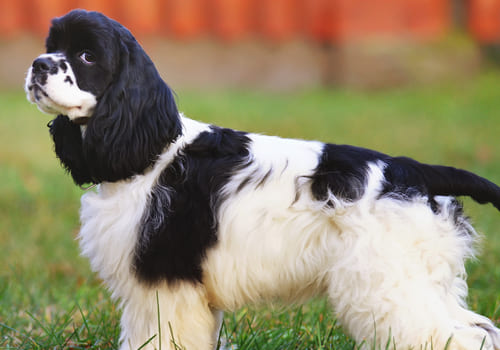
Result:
pixel 38 92
pixel 42 99
pixel 47 104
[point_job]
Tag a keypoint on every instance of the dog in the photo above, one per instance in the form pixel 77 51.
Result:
pixel 189 220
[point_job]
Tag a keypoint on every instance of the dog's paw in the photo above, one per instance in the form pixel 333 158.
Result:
pixel 480 337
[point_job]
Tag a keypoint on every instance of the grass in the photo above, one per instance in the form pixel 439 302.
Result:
pixel 50 299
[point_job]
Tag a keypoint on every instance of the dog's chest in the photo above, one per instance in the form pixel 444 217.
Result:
pixel 108 236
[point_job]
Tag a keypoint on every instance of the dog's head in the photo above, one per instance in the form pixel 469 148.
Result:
pixel 95 73
pixel 83 53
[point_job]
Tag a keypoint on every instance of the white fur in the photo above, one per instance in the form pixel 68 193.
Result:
pixel 110 219
pixel 390 268
pixel 59 96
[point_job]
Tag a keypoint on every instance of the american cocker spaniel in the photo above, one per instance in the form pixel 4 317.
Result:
pixel 190 219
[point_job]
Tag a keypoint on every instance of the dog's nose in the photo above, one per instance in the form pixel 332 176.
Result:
pixel 43 64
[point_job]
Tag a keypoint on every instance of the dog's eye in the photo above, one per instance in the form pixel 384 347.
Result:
pixel 87 57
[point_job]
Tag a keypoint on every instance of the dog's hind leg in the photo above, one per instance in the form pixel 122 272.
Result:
pixel 177 317
pixel 410 314
pixel 475 332
pixel 398 278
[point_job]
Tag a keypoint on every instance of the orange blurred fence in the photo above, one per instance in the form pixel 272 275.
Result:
pixel 278 20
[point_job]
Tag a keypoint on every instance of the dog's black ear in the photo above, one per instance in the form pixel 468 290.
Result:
pixel 67 138
pixel 135 119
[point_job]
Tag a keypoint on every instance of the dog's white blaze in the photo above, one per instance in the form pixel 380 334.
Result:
pixel 59 96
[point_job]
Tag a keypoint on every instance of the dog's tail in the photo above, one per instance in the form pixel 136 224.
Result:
pixel 405 175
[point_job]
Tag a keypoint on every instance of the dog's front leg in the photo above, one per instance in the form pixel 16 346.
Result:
pixel 170 317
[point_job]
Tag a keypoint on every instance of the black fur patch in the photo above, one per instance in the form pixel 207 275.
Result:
pixel 67 138
pixel 180 223
pixel 63 66
pixel 136 116
pixel 68 80
pixel 342 171
pixel 406 177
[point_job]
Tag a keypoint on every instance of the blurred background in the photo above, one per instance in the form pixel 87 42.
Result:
pixel 419 78
pixel 279 44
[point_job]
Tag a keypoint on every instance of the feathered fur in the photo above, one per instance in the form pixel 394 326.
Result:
pixel 191 219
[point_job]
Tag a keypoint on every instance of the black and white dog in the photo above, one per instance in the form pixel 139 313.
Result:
pixel 208 219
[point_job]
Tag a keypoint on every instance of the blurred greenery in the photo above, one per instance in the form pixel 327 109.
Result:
pixel 49 297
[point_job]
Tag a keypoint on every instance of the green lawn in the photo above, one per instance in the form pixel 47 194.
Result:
pixel 49 297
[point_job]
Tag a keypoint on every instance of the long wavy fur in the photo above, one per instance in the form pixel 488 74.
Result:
pixel 221 219
pixel 133 122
